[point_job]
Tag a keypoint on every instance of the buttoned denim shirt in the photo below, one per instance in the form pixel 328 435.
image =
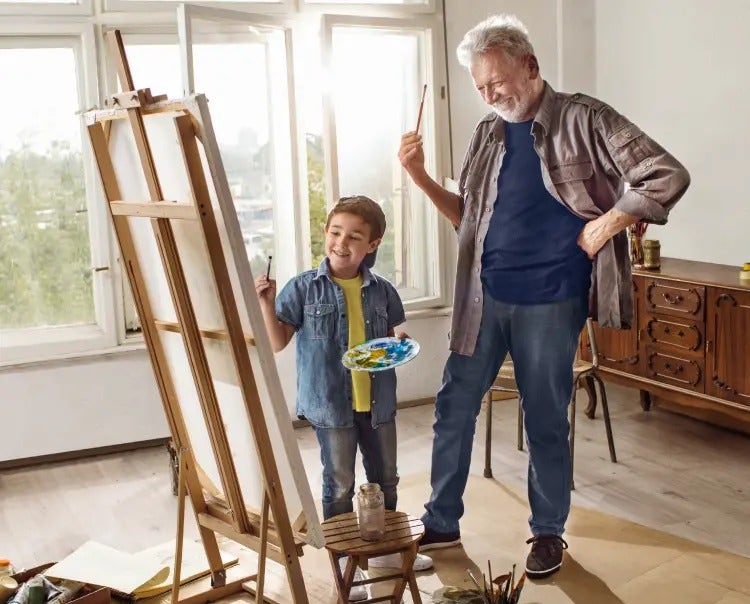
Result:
pixel 588 154
pixel 314 304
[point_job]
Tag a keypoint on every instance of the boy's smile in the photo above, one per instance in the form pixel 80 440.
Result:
pixel 347 243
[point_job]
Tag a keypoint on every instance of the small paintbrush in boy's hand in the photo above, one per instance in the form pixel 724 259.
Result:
pixel 268 268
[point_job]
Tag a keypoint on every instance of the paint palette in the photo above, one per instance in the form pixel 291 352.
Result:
pixel 380 354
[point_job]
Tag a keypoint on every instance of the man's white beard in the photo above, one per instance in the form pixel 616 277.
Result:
pixel 514 115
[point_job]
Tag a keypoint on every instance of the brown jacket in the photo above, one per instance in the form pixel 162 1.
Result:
pixel 593 159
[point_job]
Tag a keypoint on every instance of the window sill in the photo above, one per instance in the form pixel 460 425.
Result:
pixel 428 313
pixel 136 344
pixel 129 347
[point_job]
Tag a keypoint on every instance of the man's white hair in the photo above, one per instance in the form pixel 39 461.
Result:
pixel 501 32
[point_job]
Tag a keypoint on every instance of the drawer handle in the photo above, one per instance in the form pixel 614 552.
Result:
pixel 668 367
pixel 670 300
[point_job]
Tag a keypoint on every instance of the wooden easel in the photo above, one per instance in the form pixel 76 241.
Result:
pixel 268 531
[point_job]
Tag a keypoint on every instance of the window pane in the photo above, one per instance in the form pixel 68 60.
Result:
pixel 377 73
pixel 234 78
pixel 45 258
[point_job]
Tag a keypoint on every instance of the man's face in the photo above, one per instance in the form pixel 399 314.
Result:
pixel 510 86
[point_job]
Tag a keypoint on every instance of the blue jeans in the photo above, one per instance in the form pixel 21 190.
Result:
pixel 338 452
pixel 542 341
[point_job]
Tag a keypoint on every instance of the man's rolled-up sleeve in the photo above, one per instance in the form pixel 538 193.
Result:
pixel 656 179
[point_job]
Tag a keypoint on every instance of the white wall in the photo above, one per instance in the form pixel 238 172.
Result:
pixel 678 69
pixel 563 38
pixel 101 401
pixel 79 404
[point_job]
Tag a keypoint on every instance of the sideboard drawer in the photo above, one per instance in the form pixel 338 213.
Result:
pixel 675 369
pixel 680 335
pixel 674 298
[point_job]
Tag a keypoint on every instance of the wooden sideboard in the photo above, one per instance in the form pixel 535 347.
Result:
pixel 689 349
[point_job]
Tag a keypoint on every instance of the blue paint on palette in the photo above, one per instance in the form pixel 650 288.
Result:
pixel 380 354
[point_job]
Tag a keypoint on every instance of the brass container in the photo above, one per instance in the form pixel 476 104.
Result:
pixel 651 253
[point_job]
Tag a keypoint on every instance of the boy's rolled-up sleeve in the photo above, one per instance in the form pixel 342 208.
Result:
pixel 395 307
pixel 289 304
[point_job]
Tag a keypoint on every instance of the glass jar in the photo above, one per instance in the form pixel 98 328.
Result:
pixel 371 512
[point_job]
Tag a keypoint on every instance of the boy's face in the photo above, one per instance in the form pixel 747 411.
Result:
pixel 347 244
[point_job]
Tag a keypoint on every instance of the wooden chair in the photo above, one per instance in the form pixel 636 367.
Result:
pixel 584 372
pixel 402 535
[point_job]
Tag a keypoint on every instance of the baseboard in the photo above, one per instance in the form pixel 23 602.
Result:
pixel 82 453
pixel 144 444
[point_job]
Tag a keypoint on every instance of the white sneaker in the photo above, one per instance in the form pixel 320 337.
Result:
pixel 357 592
pixel 421 562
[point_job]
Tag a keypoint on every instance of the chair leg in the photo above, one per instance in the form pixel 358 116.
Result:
pixel 572 438
pixel 607 422
pixel 488 436
pixel 588 385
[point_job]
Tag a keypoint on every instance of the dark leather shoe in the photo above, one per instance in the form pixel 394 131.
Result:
pixel 546 555
pixel 436 540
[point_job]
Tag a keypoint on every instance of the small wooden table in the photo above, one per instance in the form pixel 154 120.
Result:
pixel 402 535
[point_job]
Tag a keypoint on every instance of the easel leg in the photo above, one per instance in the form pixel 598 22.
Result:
pixel 262 553
pixel 180 526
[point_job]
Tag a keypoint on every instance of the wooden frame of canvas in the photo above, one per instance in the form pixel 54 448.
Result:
pixel 268 530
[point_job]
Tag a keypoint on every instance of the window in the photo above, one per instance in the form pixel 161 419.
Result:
pixel 250 117
pixel 48 277
pixel 377 67
pixel 298 121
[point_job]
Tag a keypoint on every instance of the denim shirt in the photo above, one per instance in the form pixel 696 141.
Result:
pixel 314 305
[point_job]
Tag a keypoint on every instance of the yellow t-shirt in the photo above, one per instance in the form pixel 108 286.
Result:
pixel 360 379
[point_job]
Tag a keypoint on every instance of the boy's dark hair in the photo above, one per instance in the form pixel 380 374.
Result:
pixel 364 207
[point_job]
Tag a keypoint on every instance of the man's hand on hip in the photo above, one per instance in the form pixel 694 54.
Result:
pixel 597 232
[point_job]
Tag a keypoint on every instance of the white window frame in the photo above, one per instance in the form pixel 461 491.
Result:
pixel 258 8
pixel 17 345
pixel 46 9
pixel 288 145
pixel 434 277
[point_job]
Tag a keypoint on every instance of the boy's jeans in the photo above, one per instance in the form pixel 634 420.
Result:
pixel 542 341
pixel 338 453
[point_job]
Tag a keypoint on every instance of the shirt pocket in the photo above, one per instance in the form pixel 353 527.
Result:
pixel 320 321
pixel 629 147
pixel 570 182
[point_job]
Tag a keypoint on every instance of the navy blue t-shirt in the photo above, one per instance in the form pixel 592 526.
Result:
pixel 530 251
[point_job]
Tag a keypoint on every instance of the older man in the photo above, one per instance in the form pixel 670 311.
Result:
pixel 541 214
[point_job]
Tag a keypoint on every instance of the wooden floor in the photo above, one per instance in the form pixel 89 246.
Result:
pixel 674 474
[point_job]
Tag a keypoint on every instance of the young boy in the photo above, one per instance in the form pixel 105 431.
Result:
pixel 332 308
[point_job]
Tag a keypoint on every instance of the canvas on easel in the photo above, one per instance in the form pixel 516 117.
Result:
pixel 182 249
